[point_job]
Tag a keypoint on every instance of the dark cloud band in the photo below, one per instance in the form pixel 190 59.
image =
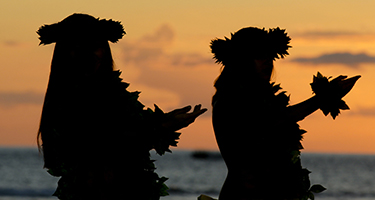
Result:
pixel 347 59
pixel 20 98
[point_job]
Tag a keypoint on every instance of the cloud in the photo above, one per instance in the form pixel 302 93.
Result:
pixel 10 43
pixel 152 49
pixel 345 58
pixel 163 35
pixel 366 112
pixel 327 34
pixel 8 99
pixel 189 75
pixel 163 98
pixel 189 60
pixel 335 35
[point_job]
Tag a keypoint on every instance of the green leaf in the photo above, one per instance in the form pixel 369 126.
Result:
pixel 295 156
pixel 317 188
pixel 163 179
pixel 163 186
pixel 311 196
pixel 305 179
pixel 163 190
pixel 305 197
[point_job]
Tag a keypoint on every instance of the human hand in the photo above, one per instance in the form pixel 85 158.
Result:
pixel 330 93
pixel 180 118
pixel 344 85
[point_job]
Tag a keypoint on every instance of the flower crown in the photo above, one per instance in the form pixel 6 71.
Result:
pixel 253 42
pixel 78 27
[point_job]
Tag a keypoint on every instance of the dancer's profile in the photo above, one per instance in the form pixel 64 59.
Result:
pixel 93 133
pixel 255 127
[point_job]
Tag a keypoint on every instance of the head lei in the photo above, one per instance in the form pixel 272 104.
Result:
pixel 251 42
pixel 81 27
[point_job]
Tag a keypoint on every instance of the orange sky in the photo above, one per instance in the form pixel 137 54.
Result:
pixel 166 55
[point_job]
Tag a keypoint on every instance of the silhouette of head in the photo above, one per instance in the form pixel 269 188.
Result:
pixel 251 42
pixel 250 53
pixel 81 44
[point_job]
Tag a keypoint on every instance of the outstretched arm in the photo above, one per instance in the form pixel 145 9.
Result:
pixel 340 86
pixel 301 110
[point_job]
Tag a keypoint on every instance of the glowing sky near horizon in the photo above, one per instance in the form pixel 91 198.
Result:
pixel 165 54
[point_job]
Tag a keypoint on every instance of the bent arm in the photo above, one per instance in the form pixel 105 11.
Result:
pixel 301 110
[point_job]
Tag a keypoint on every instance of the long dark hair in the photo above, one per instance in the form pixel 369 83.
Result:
pixel 81 53
pixel 66 71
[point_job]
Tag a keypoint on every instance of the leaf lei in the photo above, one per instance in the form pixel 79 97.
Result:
pixel 281 100
pixel 160 138
pixel 149 128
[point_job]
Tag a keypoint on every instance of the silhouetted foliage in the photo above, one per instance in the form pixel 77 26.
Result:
pixel 79 26
pixel 273 43
pixel 330 93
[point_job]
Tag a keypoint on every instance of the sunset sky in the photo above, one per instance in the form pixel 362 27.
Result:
pixel 165 55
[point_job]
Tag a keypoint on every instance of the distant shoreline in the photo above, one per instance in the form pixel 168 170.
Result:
pixel 215 152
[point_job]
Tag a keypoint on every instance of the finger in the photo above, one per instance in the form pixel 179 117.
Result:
pixel 185 109
pixel 339 78
pixel 354 78
pixel 197 107
pixel 190 117
pixel 196 113
pixel 348 84
pixel 181 110
pixel 203 111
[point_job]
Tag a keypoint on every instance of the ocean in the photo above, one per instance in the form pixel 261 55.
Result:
pixel 346 177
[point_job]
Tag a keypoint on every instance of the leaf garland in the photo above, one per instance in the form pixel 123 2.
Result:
pixel 329 93
pixel 278 42
pixel 281 100
pixel 251 41
pixel 81 27
pixel 159 138
pixel 148 125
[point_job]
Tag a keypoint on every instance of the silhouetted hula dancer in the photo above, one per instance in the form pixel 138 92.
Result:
pixel 255 127
pixel 94 133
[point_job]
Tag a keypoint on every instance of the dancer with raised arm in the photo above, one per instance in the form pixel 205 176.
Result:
pixel 93 133
pixel 256 129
